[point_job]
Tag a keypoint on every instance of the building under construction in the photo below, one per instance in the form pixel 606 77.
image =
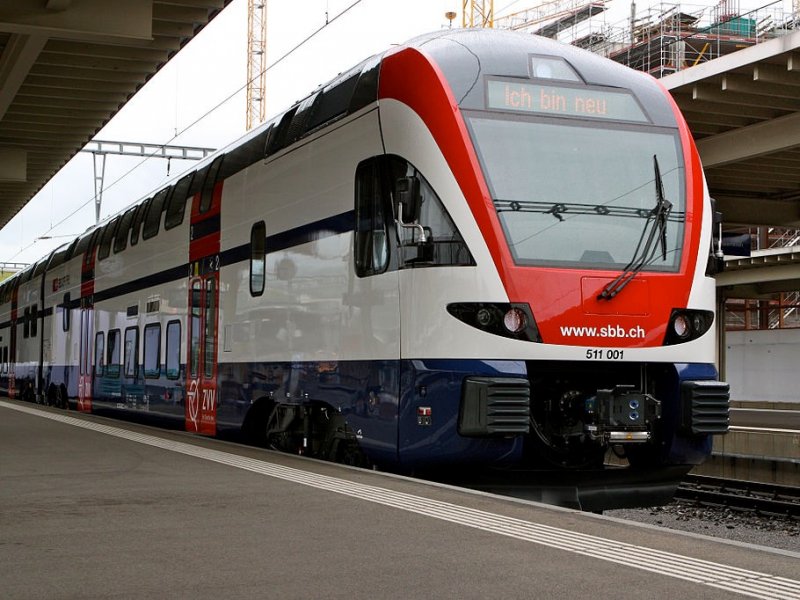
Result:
pixel 661 39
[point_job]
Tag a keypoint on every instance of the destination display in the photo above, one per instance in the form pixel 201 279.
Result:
pixel 564 101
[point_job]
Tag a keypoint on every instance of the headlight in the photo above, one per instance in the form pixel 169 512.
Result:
pixel 514 320
pixel 686 324
pixel 681 326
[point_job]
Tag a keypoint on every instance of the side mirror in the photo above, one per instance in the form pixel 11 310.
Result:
pixel 716 258
pixel 409 199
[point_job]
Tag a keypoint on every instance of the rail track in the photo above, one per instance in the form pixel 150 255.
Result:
pixel 741 495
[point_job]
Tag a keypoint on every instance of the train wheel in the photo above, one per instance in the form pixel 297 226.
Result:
pixel 56 397
pixel 254 428
pixel 52 395
pixel 27 392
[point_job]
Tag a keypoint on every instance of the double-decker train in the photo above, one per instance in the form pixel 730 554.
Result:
pixel 480 251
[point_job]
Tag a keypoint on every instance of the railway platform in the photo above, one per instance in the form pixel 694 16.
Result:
pixel 94 508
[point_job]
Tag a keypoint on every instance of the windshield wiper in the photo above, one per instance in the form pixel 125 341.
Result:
pixel 654 227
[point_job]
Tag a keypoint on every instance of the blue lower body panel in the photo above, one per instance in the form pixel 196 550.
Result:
pixel 404 413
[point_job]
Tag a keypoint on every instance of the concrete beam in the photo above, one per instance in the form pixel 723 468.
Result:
pixel 16 61
pixel 736 60
pixel 788 273
pixel 13 164
pixel 90 20
pixel 748 142
pixel 766 273
pixel 770 290
pixel 757 211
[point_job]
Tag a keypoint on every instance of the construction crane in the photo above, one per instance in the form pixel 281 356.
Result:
pixel 478 13
pixel 256 61
pixel 548 17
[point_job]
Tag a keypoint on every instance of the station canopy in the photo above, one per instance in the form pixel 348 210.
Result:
pixel 744 112
pixel 67 67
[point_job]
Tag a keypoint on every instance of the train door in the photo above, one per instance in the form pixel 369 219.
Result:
pixel 12 361
pixel 203 305
pixel 201 396
pixel 85 360
pixel 85 363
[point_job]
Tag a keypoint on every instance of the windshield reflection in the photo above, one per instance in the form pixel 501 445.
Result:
pixel 570 194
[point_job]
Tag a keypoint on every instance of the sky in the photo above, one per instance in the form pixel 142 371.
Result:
pixel 198 99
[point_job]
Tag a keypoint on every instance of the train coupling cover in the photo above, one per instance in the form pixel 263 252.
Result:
pixel 621 415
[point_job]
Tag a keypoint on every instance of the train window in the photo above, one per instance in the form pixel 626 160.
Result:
pixel 194 329
pixel 81 246
pixel 152 216
pixel 366 91
pixel 137 221
pixel 332 102
pixel 245 155
pixel 197 181
pixel 277 139
pixel 209 348
pixel 58 257
pixel 131 351
pixel 65 313
pixel 34 320
pixel 445 245
pixel 208 185
pixel 71 250
pixel 258 258
pixel 151 357
pixel 88 256
pixel 99 353
pixel 26 323
pixel 113 353
pixel 84 342
pixel 593 214
pixel 5 358
pixel 372 214
pixel 40 267
pixel 297 127
pixel 177 202
pixel 123 230
pixel 106 237
pixel 173 350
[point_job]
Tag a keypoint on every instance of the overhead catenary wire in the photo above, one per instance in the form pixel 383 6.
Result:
pixel 328 21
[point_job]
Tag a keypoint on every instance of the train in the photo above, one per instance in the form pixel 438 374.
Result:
pixel 479 253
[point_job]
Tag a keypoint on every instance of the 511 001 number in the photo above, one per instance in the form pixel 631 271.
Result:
pixel 604 354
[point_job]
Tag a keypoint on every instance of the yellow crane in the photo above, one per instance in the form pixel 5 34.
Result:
pixel 554 13
pixel 478 13
pixel 256 61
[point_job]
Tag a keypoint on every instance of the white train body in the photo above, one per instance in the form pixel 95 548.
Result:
pixel 282 291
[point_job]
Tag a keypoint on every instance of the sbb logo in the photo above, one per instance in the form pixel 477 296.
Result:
pixel 60 282
pixel 611 331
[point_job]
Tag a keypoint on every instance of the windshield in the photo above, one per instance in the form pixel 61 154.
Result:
pixel 580 194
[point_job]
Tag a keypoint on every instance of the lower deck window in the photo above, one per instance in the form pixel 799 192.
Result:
pixel 131 351
pixel 152 350
pixel 173 350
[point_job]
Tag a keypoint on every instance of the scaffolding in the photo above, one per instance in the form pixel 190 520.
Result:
pixel 661 39
pixel 666 38
pixel 781 310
